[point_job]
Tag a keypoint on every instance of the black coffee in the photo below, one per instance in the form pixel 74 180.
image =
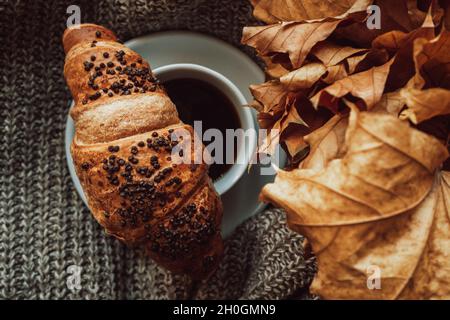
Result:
pixel 198 100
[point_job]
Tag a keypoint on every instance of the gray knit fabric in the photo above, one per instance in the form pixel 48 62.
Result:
pixel 47 235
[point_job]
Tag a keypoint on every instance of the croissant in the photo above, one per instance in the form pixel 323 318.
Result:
pixel 122 152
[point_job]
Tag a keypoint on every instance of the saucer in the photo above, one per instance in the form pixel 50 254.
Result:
pixel 164 48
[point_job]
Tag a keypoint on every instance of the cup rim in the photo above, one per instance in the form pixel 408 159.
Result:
pixel 222 83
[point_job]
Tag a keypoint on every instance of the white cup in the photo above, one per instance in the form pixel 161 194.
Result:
pixel 244 150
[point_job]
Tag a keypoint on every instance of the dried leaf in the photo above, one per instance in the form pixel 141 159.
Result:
pixel 294 141
pixel 271 141
pixel 297 38
pixel 415 15
pixel 326 143
pixel 292 116
pixel 446 7
pixel 270 95
pixel 293 38
pixel 274 70
pixel 425 104
pixel 335 73
pixel 391 102
pixel 304 77
pixel 393 162
pixel 438 127
pixel 432 69
pixel 362 62
pixel 330 54
pixel 432 62
pixel 397 15
pixel 335 58
pixel 367 85
pixel 401 44
pixel 277 124
pixel 402 15
pixel 366 208
pixel 355 63
pixel 271 11
pixel 369 193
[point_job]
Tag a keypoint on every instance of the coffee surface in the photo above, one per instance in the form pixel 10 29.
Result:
pixel 197 100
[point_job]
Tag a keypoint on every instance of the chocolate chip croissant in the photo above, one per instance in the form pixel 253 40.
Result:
pixel 123 148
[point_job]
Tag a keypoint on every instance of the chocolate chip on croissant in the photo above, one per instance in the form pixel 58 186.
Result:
pixel 124 129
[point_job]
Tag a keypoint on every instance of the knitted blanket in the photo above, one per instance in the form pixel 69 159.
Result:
pixel 50 245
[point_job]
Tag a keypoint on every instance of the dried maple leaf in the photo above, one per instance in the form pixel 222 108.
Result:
pixel 371 200
pixel 369 193
pixel 271 11
pixel 295 128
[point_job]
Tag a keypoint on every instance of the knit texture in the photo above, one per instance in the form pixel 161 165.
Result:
pixel 47 236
